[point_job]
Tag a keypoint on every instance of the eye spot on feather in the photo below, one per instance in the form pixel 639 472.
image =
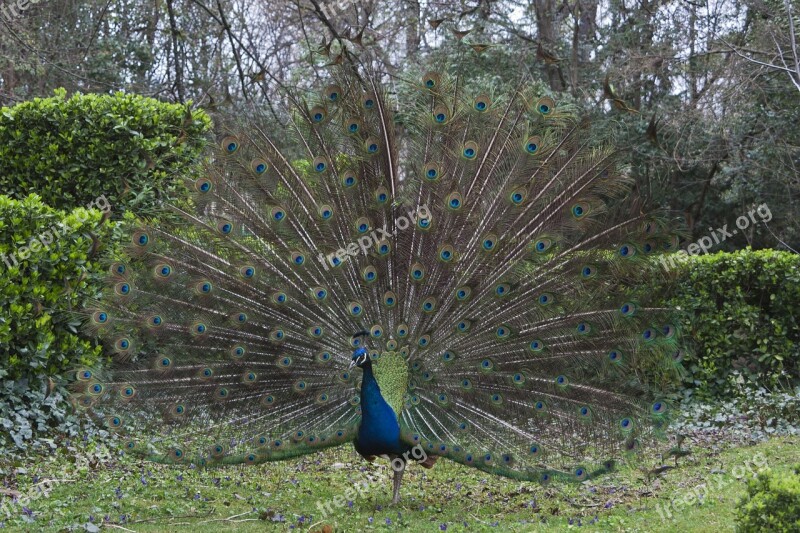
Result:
pixel 417 272
pixel 429 305
pixel 384 247
pixel 579 211
pixel 369 274
pixel 454 201
pixel 431 79
pixel 318 114
pixel 626 424
pixel 258 166
pixel 372 146
pixel 542 245
pixel 518 196
pixel 545 105
pixel 319 293
pixel 470 150
pixel 141 239
pixel 463 293
pixel 355 308
pixel 333 92
pixel 389 299
pixel 122 345
pixel 627 250
pixel 230 144
pixel 203 185
pixel 298 258
pixel 320 164
pixel 489 242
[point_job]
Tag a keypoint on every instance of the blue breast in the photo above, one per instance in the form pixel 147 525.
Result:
pixel 379 432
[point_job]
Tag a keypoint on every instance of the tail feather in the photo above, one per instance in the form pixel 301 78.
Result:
pixel 485 238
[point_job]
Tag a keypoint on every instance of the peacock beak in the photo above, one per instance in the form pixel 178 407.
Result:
pixel 352 364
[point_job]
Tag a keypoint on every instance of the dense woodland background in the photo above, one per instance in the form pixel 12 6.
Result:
pixel 703 95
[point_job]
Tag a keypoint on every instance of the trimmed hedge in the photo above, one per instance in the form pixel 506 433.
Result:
pixel 47 275
pixel 739 312
pixel 772 503
pixel 73 150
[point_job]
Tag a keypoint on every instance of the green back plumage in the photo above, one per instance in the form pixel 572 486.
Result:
pixel 492 253
pixel 391 373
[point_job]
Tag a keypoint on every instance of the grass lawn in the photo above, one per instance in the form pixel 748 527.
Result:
pixel 84 488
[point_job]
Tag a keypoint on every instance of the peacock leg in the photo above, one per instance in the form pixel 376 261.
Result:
pixel 398 477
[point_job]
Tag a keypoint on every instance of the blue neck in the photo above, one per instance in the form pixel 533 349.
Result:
pixel 379 432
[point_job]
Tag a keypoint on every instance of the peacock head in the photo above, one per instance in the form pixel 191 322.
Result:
pixel 360 357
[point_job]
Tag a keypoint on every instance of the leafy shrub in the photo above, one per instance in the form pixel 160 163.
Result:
pixel 73 150
pixel 739 312
pixel 37 417
pixel 772 503
pixel 749 413
pixel 47 274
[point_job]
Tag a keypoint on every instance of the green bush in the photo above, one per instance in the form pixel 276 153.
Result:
pixel 739 315
pixel 772 503
pixel 73 150
pixel 46 278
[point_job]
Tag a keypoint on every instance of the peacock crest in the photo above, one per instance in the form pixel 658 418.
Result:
pixel 485 244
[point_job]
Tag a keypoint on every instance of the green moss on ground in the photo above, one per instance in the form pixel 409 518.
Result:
pixel 67 489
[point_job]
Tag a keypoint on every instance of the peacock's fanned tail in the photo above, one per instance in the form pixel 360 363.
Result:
pixel 486 239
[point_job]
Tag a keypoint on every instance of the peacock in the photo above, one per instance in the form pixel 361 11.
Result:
pixel 425 268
